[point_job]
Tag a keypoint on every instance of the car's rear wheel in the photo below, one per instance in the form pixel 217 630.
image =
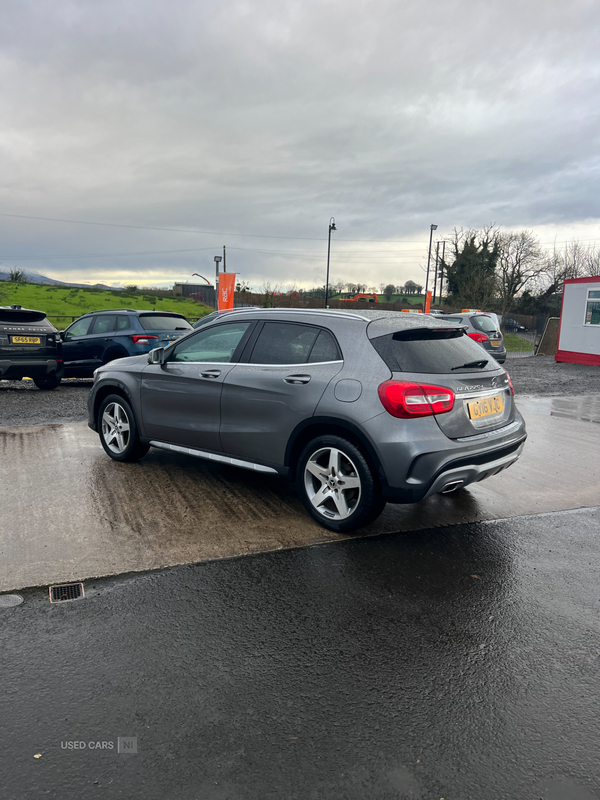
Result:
pixel 337 485
pixel 118 430
pixel 47 382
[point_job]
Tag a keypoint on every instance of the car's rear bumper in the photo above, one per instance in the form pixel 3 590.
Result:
pixel 415 458
pixel 18 368
pixel 456 473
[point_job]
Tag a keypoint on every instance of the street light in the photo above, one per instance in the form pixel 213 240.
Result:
pixel 331 228
pixel 217 260
pixel 432 228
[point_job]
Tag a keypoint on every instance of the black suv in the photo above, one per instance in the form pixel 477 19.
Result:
pixel 102 336
pixel 29 347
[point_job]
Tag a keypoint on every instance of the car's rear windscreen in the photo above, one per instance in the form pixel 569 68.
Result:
pixel 434 351
pixel 21 315
pixel 485 324
pixel 160 322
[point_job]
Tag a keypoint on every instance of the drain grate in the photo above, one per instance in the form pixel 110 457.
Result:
pixel 10 600
pixel 65 592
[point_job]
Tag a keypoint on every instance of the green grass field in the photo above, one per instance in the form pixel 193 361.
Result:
pixel 62 304
pixel 516 344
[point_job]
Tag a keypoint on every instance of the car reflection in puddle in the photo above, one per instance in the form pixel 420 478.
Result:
pixel 581 407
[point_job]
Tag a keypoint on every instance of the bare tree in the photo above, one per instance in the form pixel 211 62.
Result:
pixel 520 263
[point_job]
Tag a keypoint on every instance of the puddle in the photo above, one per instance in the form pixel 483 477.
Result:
pixel 581 407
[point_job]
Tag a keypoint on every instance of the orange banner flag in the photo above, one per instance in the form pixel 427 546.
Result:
pixel 226 290
pixel 428 303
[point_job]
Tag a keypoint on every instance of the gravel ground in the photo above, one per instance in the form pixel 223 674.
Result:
pixel 542 375
pixel 21 403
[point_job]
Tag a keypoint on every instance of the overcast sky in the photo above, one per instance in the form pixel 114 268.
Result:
pixel 267 118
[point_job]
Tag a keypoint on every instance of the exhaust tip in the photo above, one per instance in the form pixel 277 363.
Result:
pixel 451 487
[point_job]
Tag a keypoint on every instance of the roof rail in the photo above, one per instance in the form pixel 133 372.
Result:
pixel 102 310
pixel 328 311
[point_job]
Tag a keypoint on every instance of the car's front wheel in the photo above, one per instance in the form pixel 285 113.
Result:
pixel 118 430
pixel 337 485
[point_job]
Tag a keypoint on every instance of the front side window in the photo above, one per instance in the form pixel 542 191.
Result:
pixel 284 343
pixel 216 344
pixel 79 328
pixel 592 311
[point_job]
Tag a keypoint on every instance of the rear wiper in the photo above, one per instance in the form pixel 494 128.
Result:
pixel 479 364
pixel 185 329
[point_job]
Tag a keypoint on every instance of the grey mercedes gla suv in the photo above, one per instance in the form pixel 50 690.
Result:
pixel 358 408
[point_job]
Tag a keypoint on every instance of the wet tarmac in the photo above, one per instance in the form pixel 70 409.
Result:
pixel 68 512
pixel 459 662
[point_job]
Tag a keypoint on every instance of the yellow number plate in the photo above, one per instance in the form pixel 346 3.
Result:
pixel 487 407
pixel 26 340
pixel 495 342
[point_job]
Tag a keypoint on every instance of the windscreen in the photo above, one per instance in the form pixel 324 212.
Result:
pixel 21 315
pixel 158 322
pixel 434 351
pixel 485 324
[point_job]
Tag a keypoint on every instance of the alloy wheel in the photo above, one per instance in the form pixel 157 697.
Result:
pixel 115 428
pixel 332 483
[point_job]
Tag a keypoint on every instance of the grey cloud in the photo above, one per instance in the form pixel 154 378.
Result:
pixel 270 117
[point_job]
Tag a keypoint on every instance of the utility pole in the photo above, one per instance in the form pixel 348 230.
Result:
pixel 331 228
pixel 432 228
pixel 442 268
pixel 217 260
pixel 224 260
pixel 437 258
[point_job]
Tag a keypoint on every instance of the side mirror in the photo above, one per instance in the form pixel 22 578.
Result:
pixel 156 356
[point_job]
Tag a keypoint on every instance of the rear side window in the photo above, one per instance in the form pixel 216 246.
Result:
pixel 324 349
pixel 123 323
pixel 104 323
pixel 284 343
pixel 159 322
pixel 431 351
pixel 485 324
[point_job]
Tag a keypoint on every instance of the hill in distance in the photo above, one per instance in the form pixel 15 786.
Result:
pixel 43 280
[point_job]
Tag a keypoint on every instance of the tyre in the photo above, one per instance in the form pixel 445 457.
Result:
pixel 118 430
pixel 337 485
pixel 47 382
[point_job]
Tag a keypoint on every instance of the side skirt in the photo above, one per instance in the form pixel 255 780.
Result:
pixel 222 459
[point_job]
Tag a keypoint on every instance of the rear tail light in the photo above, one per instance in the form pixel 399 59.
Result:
pixel 479 337
pixel 512 388
pixel 405 399
pixel 142 339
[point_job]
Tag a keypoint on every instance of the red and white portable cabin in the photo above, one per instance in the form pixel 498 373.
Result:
pixel 579 331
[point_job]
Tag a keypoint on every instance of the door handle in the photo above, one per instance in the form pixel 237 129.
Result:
pixel 297 379
pixel 211 373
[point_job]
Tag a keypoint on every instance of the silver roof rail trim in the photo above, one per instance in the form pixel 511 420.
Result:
pixel 329 312
pixel 235 462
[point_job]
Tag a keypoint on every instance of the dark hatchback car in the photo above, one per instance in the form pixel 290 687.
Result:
pixel 103 336
pixel 358 408
pixel 29 347
pixel 484 330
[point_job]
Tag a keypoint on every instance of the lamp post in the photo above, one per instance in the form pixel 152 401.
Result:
pixel 432 228
pixel 217 261
pixel 331 228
